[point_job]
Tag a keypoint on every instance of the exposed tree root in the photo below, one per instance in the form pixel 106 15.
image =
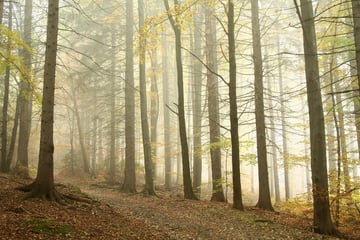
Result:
pixel 53 195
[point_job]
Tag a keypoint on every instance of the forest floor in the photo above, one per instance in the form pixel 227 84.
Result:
pixel 106 213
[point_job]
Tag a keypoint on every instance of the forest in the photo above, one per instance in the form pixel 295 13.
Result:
pixel 251 105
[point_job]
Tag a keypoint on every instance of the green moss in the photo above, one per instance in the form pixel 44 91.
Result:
pixel 41 226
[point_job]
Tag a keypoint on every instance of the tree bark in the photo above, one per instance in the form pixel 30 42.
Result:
pixel 196 104
pixel 167 126
pixel 26 96
pixel 43 186
pixel 5 167
pixel 356 20
pixel 149 181
pixel 112 160
pixel 264 201
pixel 322 219
pixel 129 184
pixel 237 193
pixel 213 107
pixel 188 190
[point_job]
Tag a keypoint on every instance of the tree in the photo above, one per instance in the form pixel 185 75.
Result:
pixel 1 10
pixel 112 94
pixel 213 106
pixel 264 201
pixel 188 191
pixel 149 181
pixel 356 19
pixel 43 186
pixel 322 219
pixel 25 98
pixel 167 126
pixel 237 195
pixel 5 166
pixel 129 184
pixel 196 102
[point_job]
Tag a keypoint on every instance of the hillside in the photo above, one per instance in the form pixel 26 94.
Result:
pixel 116 215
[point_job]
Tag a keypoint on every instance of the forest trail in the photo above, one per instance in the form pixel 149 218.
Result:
pixel 109 214
pixel 189 219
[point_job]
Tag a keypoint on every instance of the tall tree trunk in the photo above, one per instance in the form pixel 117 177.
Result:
pixel 356 103
pixel 129 184
pixel 213 106
pixel 84 156
pixel 264 201
pixel 188 190
pixel 154 111
pixel 167 126
pixel 4 126
pixel 356 20
pixel 112 160
pixel 10 153
pixel 237 193
pixel 274 150
pixel 1 10
pixel 322 218
pixel 43 186
pixel 285 152
pixel 26 96
pixel 196 108
pixel 149 181
pixel 94 130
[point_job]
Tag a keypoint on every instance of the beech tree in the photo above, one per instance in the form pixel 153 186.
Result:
pixel 188 190
pixel 213 105
pixel 43 186
pixel 149 181
pixel 129 184
pixel 25 97
pixel 264 200
pixel 234 121
pixel 322 222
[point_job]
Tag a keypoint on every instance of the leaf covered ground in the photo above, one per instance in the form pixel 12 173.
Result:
pixel 110 214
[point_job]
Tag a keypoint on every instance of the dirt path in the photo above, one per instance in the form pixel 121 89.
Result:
pixel 184 219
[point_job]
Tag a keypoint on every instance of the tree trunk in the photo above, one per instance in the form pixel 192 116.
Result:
pixel 167 126
pixel 26 96
pixel 1 10
pixel 94 131
pixel 273 139
pixel 356 20
pixel 264 201
pixel 237 195
pixel 84 156
pixel 4 126
pixel 285 152
pixel 213 107
pixel 196 104
pixel 43 186
pixel 322 218
pixel 10 154
pixel 188 190
pixel 154 111
pixel 112 160
pixel 129 184
pixel 149 181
